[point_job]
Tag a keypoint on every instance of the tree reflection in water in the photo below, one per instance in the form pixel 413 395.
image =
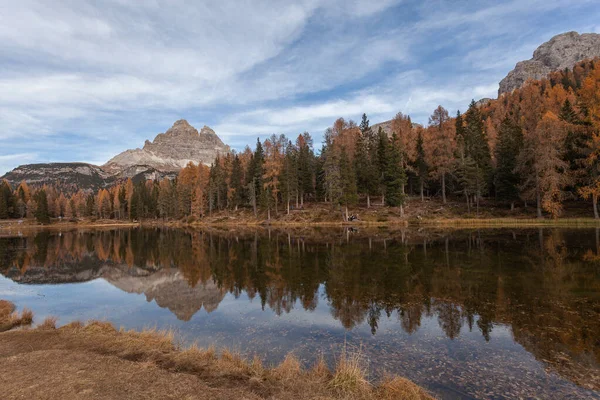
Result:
pixel 542 283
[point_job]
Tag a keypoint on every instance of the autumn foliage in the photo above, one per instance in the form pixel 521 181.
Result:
pixel 539 145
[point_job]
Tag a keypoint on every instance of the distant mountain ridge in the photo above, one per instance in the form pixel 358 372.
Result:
pixel 161 158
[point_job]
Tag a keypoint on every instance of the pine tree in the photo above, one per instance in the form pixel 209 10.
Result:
pixel 255 174
pixel 421 166
pixel 41 213
pixel 236 182
pixel 475 139
pixel 90 206
pixel 365 176
pixel 6 200
pixel 394 175
pixel 332 178
pixel 510 144
pixel 381 158
pixel 289 175
pixel 306 167
pixel 477 148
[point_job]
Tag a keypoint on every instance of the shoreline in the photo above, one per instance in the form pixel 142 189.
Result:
pixel 13 226
pixel 97 359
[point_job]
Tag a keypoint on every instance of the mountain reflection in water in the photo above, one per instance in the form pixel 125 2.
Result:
pixel 543 285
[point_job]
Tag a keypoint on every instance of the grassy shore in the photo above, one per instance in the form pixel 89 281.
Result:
pixel 96 360
pixel 430 213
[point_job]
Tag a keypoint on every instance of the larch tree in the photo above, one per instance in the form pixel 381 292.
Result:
pixel 441 146
pixel 272 169
pixel 590 101
pixel 348 180
pixel 542 168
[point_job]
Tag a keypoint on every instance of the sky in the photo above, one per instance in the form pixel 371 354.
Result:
pixel 84 80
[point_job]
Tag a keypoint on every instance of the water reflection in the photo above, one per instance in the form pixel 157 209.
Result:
pixel 544 284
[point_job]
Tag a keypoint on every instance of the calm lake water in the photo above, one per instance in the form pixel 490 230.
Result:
pixel 466 313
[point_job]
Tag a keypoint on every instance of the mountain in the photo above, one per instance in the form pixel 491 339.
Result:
pixel 169 289
pixel 560 52
pixel 172 150
pixel 161 158
pixel 70 174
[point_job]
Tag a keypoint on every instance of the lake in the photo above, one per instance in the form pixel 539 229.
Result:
pixel 489 313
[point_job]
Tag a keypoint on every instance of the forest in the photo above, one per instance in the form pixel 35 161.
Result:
pixel 538 146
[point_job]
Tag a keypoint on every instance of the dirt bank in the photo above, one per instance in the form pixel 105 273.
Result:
pixel 97 361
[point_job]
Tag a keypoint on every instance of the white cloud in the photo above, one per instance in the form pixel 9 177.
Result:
pixel 8 162
pixel 108 74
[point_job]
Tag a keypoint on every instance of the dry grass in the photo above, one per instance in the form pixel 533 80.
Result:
pixel 10 319
pixel 392 388
pixel 49 323
pixel 157 349
pixel 350 375
pixel 509 222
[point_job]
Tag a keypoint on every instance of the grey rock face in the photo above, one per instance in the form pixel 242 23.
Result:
pixel 172 150
pixel 77 174
pixel 560 52
pixel 80 175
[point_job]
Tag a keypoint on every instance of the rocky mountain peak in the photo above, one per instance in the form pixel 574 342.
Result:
pixel 173 149
pixel 560 52
pixel 181 128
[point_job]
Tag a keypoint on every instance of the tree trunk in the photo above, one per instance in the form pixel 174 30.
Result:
pixel 382 199
pixel 468 202
pixel 444 188
pixel 401 210
pixel 269 213
pixel 595 205
pixel 368 201
pixel 288 206
pixel 422 196
pixel 512 206
pixel 302 200
pixel 539 205
pixel 346 216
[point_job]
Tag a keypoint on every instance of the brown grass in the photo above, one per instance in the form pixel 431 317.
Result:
pixel 350 375
pixel 49 323
pixel 10 319
pixel 157 349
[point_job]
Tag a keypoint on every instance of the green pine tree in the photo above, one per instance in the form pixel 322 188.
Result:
pixel 348 178
pixel 510 143
pixel 422 168
pixel 394 174
pixel 41 213
pixel 236 182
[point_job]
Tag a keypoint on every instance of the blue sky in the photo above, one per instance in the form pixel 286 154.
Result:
pixel 84 80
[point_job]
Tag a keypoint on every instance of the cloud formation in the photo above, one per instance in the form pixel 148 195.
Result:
pixel 83 80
